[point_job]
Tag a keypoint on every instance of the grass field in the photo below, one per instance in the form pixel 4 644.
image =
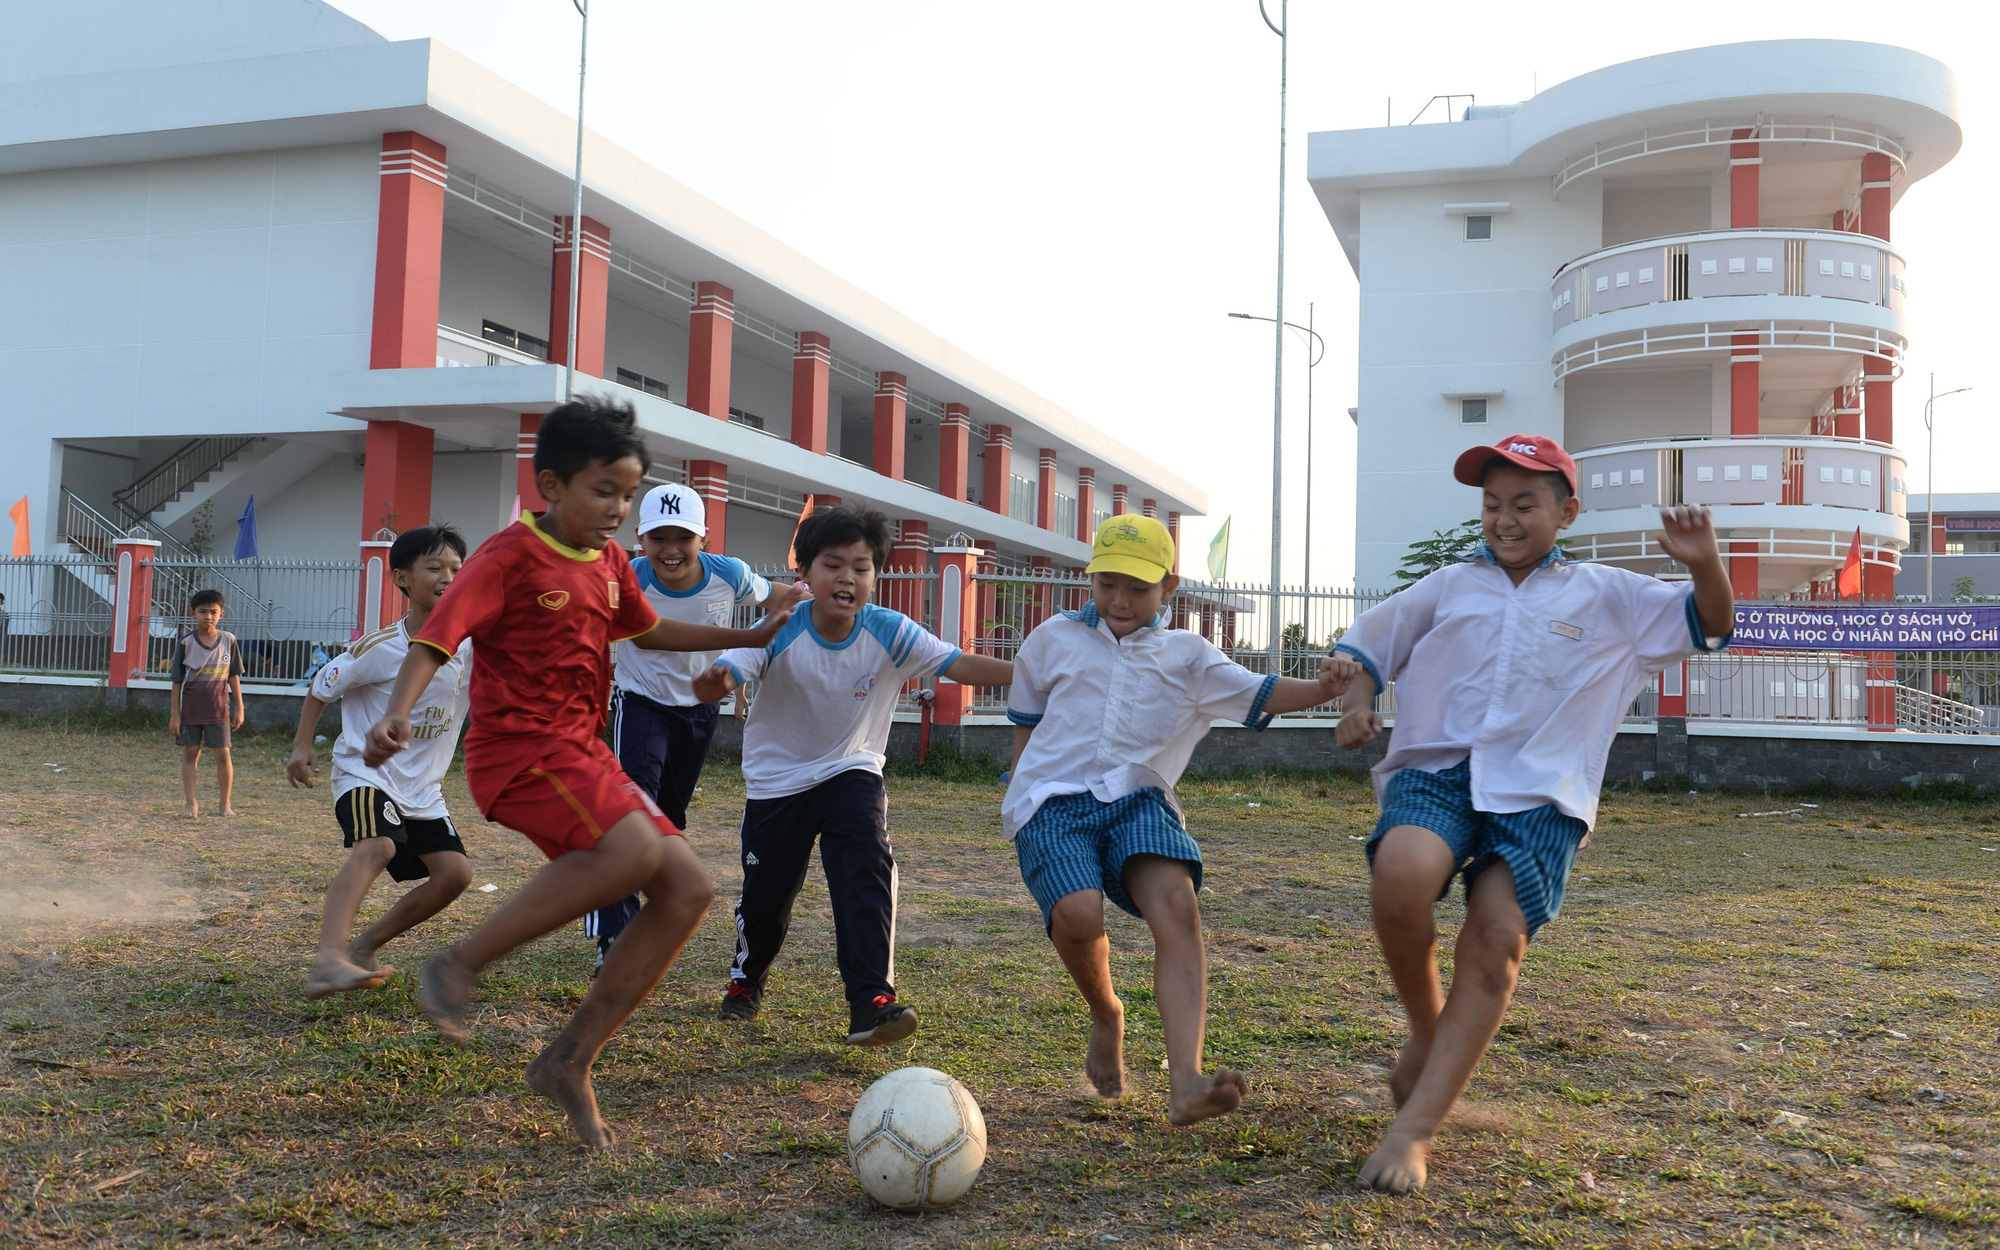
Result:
pixel 1778 1029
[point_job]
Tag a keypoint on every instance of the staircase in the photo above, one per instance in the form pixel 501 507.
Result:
pixel 190 477
pixel 1934 713
pixel 90 533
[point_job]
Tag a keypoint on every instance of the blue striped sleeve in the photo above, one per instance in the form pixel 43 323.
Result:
pixel 1028 719
pixel 1374 674
pixel 949 660
pixel 1258 719
pixel 1699 635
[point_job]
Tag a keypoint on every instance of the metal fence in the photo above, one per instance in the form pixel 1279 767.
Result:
pixel 288 615
pixel 58 616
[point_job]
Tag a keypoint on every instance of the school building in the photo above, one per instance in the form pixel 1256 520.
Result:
pixel 252 248
pixel 1681 268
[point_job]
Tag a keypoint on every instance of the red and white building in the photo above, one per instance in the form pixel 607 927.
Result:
pixel 253 248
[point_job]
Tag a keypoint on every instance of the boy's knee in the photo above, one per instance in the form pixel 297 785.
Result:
pixel 1497 945
pixel 449 871
pixel 680 887
pixel 374 852
pixel 1077 919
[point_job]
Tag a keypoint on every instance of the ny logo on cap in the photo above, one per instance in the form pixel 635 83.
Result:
pixel 1526 449
pixel 671 505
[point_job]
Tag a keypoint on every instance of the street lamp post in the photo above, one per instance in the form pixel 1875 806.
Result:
pixel 1930 479
pixel 1316 347
pixel 576 207
pixel 1280 29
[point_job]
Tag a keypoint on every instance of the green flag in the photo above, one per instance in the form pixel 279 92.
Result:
pixel 1218 553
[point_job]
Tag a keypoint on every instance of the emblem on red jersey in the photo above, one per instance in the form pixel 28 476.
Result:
pixel 553 599
pixel 611 590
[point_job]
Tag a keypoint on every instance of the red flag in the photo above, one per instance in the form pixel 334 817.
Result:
pixel 1849 582
pixel 19 512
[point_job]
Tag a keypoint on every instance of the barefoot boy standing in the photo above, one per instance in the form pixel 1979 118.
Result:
pixel 207 698
pixel 1513 672
pixel 1108 704
pixel 542 601
pixel 394 816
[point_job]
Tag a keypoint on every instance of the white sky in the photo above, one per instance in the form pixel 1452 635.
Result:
pixel 1077 193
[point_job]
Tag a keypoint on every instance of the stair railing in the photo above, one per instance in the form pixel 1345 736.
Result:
pixel 191 462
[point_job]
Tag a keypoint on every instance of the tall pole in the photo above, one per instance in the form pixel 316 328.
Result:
pixel 576 207
pixel 1309 455
pixel 1930 484
pixel 1278 350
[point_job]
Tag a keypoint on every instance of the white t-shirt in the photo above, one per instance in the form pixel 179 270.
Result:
pixel 667 677
pixel 1115 716
pixel 825 708
pixel 362 678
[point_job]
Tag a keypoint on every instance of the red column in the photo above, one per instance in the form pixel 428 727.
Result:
pixel 1121 502
pixel 1673 690
pixel 911 554
pixel 999 467
pixel 1086 505
pixel 1045 489
pixel 892 398
pixel 710 479
pixel 1041 595
pixel 958 624
pixel 380 600
pixel 131 606
pixel 812 373
pixel 396 477
pixel 955 452
pixel 711 326
pixel 1745 164
pixel 1879 405
pixel 1174 532
pixel 409 253
pixel 592 293
pixel 1744 383
pixel 1847 412
pixel 1149 507
pixel 528 497
pixel 1876 171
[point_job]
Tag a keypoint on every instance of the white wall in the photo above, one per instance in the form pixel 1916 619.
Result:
pixel 177 298
pixel 481 282
pixel 1648 212
pixel 1624 405
pixel 317 517
pixel 762 388
pixel 637 340
pixel 1439 314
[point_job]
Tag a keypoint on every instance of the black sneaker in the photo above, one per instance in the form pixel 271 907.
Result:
pixel 740 1002
pixel 880 1021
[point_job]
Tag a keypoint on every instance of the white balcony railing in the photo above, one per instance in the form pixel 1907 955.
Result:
pixel 457 349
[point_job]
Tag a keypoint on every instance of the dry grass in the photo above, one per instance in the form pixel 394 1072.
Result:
pixel 1777 1030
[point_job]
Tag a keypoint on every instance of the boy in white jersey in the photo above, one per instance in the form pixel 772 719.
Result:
pixel 392 815
pixel 659 729
pixel 1108 704
pixel 812 761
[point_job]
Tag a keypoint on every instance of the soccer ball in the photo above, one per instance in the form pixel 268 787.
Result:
pixel 917 1140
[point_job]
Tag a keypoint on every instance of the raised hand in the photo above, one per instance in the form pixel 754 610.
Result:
pixel 1336 674
pixel 780 612
pixel 714 685
pixel 1688 534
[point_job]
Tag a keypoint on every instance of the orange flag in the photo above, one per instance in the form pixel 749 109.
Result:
pixel 19 512
pixel 1850 572
pixel 804 512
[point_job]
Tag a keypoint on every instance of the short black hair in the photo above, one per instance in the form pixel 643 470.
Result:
pixel 587 431
pixel 413 545
pixel 202 598
pixel 1557 482
pixel 838 527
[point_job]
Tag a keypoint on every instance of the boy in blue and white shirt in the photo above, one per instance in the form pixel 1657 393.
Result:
pixel 659 729
pixel 812 763
pixel 1108 705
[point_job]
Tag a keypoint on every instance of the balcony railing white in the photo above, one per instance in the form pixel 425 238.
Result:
pixel 457 349
pixel 1712 134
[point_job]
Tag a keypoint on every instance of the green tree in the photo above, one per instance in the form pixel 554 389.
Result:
pixel 1961 590
pixel 1427 555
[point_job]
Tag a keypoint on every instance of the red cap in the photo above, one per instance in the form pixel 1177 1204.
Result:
pixel 1530 451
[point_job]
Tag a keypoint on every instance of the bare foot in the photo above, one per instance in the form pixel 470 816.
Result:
pixel 567 1084
pixel 362 957
pixel 335 976
pixel 1398 1166
pixel 191 811
pixel 443 989
pixel 228 811
pixel 1104 1062
pixel 1207 1097
pixel 1409 1066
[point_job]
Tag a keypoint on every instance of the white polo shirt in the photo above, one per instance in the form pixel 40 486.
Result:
pixel 1529 681
pixel 825 708
pixel 361 678
pixel 1113 716
pixel 667 677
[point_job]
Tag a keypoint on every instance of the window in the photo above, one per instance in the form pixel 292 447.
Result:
pixel 507 336
pixel 1097 520
pixel 1472 412
pixel 750 419
pixel 1021 499
pixel 1065 514
pixel 640 382
pixel 1478 227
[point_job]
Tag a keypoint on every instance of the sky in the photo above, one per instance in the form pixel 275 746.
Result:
pixel 1078 193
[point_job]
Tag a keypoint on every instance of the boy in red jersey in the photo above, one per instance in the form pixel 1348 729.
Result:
pixel 543 600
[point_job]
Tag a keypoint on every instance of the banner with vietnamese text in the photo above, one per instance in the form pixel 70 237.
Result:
pixel 1867 627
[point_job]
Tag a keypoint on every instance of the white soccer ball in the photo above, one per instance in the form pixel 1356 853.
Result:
pixel 917 1140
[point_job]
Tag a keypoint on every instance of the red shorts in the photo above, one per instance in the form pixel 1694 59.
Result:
pixel 565 799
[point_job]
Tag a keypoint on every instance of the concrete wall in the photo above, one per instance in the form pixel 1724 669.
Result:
pixel 482 283
pixel 1646 211
pixel 1624 405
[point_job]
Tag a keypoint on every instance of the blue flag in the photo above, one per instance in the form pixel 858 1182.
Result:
pixel 246 531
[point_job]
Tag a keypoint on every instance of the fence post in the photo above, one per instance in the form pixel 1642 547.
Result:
pixel 1673 690
pixel 131 608
pixel 378 588
pixel 958 623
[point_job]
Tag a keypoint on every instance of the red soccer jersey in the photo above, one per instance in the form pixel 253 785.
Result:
pixel 542 617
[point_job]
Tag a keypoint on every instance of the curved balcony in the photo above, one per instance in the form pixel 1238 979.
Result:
pixel 1720 136
pixel 1794 502
pixel 1797 290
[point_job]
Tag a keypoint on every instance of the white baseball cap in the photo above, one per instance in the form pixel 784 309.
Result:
pixel 672 504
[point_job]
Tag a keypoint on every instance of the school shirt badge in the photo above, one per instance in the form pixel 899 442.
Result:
pixel 553 600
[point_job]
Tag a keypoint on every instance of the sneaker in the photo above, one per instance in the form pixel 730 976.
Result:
pixel 880 1021
pixel 740 1002
pixel 603 949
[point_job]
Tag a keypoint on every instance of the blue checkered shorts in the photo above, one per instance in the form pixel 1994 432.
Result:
pixel 1539 846
pixel 1078 842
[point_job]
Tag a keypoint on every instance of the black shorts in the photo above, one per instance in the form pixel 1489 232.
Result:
pixel 213 736
pixel 365 812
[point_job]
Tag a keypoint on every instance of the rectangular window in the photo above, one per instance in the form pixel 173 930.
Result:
pixel 1472 412
pixel 750 419
pixel 507 336
pixel 1065 514
pixel 1097 520
pixel 640 382
pixel 1021 499
pixel 1478 227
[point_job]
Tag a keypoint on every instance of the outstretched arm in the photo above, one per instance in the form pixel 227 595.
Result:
pixel 1295 694
pixel 1361 723
pixel 669 635
pixel 1688 535
pixel 304 765
pixel 980 670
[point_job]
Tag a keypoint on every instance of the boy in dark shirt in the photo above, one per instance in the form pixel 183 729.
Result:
pixel 208 679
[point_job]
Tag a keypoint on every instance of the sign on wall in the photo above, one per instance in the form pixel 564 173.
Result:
pixel 1972 523
pixel 1866 627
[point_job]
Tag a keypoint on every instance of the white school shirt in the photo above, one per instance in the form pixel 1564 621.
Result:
pixel 667 677
pixel 1529 681
pixel 362 678
pixel 825 708
pixel 1114 716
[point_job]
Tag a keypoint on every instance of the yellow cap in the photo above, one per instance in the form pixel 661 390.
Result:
pixel 1137 546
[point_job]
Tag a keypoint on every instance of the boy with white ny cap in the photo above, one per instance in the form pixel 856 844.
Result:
pixel 660 730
